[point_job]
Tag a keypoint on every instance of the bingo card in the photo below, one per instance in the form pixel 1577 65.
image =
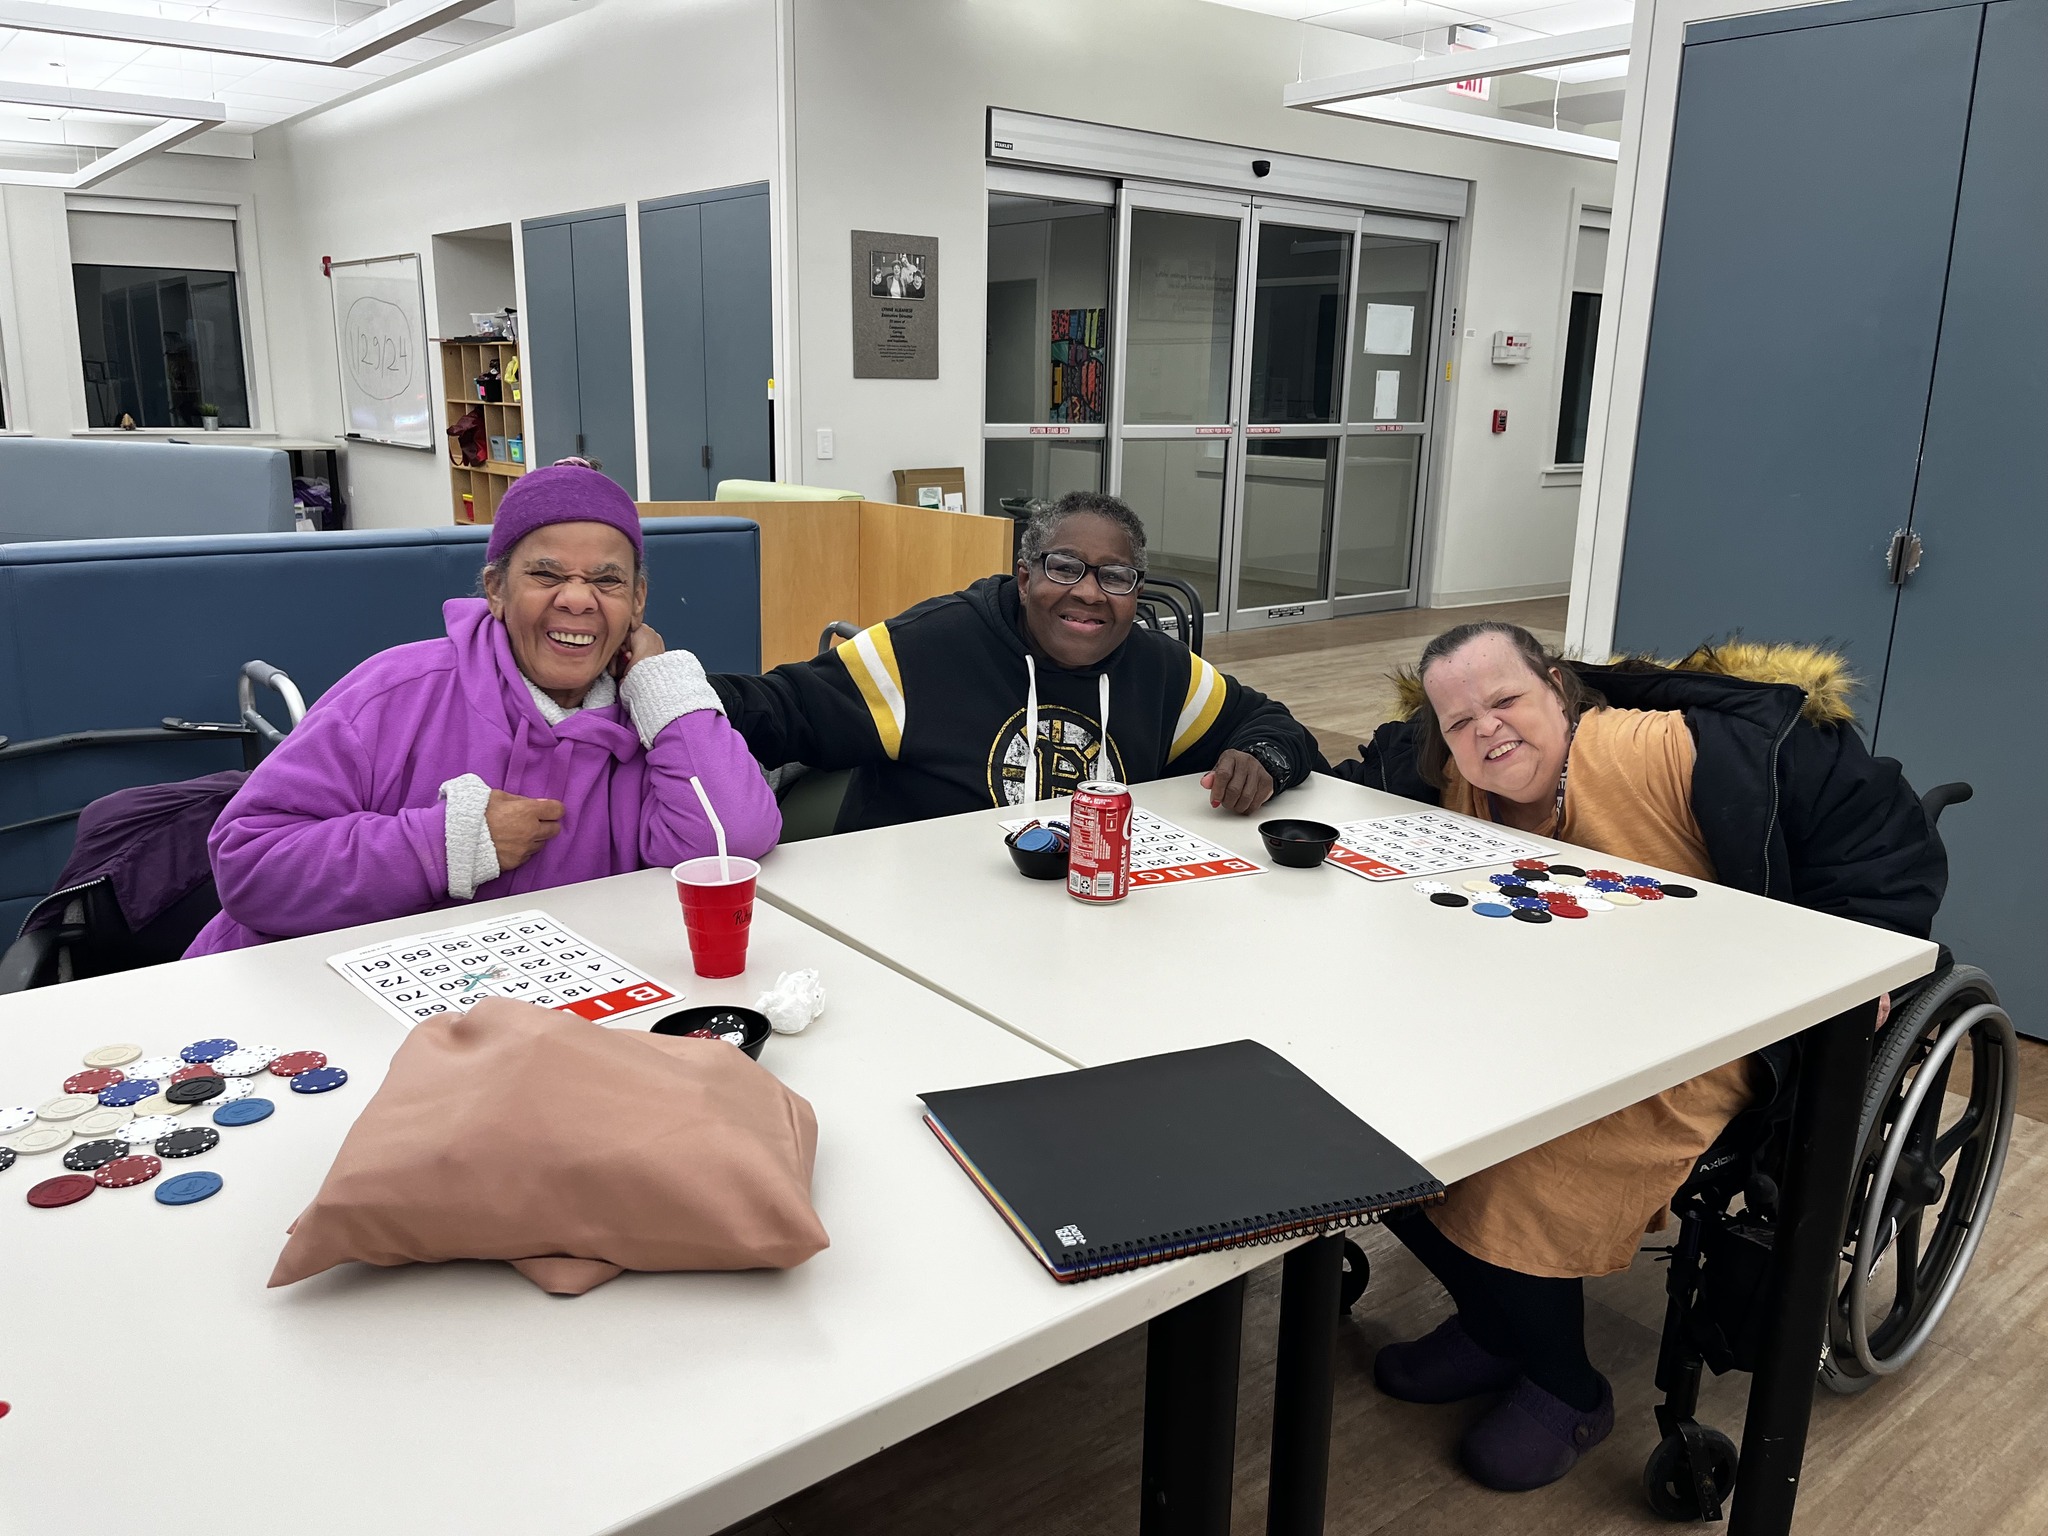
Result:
pixel 1165 853
pixel 1423 843
pixel 526 956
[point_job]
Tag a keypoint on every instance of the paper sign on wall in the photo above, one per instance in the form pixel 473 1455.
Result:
pixel 1386 394
pixel 1390 329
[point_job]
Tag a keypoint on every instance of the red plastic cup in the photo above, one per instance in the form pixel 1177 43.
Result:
pixel 718 912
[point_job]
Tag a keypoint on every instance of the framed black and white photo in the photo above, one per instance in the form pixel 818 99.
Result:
pixel 895 306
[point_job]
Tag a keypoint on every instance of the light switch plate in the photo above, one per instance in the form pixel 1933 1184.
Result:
pixel 825 442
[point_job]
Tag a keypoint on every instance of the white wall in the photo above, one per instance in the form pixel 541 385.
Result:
pixel 889 101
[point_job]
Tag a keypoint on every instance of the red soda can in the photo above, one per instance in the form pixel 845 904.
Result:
pixel 1099 866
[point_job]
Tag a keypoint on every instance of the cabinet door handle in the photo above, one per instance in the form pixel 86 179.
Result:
pixel 707 455
pixel 1902 556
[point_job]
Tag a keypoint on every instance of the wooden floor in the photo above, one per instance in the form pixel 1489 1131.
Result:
pixel 1956 1443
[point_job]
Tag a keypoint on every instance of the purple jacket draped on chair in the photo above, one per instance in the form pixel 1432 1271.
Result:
pixel 344 823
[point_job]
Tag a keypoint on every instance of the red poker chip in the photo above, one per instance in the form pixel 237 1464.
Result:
pixel 1644 893
pixel 292 1063
pixel 1530 864
pixel 1603 874
pixel 93 1080
pixel 1567 909
pixel 127 1172
pixel 65 1189
pixel 197 1069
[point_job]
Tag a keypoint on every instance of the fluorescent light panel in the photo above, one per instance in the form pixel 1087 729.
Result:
pixel 1449 68
pixel 183 117
pixel 397 23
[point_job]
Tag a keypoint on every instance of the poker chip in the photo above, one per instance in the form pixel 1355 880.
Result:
pixel 1569 882
pixel 1504 879
pixel 194 1090
pixel 206 1050
pixel 144 1131
pixel 38 1138
pixel 233 1088
pixel 88 1155
pixel 1533 914
pixel 1603 874
pixel 15 1116
pixel 187 1141
pixel 65 1189
pixel 1516 890
pixel 1682 892
pixel 1447 899
pixel 1635 880
pixel 1527 903
pixel 127 1172
pixel 112 1055
pixel 1567 909
pixel 1644 893
pixel 159 1104
pixel 1429 887
pixel 1480 887
pixel 92 1080
pixel 243 1112
pixel 292 1063
pixel 197 1069
pixel 1567 869
pixel 1597 903
pixel 1536 864
pixel 158 1067
pixel 129 1092
pixel 1606 885
pixel 242 1061
pixel 319 1080
pixel 188 1188
pixel 68 1106
pixel 1619 899
pixel 7 1156
pixel 1491 909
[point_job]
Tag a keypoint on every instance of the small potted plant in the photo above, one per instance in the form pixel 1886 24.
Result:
pixel 209 415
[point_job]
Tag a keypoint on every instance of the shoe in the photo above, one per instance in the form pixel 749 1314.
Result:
pixel 1533 1438
pixel 1444 1366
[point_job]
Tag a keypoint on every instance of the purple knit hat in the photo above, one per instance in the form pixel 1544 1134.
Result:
pixel 562 493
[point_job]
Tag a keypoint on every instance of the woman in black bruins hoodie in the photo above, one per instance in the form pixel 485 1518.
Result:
pixel 931 707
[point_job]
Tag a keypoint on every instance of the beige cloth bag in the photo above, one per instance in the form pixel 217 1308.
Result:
pixel 570 1151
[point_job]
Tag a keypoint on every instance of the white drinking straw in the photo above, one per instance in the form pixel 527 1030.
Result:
pixel 1105 768
pixel 717 830
pixel 1031 732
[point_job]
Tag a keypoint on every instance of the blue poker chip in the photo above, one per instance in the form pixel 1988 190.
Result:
pixel 129 1094
pixel 1529 904
pixel 1607 885
pixel 244 1112
pixel 206 1050
pixel 1492 909
pixel 188 1188
pixel 1635 880
pixel 319 1080
pixel 1514 879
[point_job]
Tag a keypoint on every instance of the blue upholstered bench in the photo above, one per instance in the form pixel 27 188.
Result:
pixel 114 633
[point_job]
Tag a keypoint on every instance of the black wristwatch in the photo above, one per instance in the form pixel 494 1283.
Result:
pixel 1274 759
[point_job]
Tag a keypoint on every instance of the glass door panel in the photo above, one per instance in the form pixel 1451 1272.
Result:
pixel 1376 529
pixel 1284 527
pixel 1298 320
pixel 1176 486
pixel 1181 315
pixel 1396 302
pixel 1020 471
pixel 1048 309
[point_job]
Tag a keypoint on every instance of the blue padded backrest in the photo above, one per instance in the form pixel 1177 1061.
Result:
pixel 53 488
pixel 121 632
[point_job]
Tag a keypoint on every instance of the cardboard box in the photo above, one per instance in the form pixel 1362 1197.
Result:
pixel 940 489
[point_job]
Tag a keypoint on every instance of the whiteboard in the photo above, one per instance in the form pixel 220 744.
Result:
pixel 380 339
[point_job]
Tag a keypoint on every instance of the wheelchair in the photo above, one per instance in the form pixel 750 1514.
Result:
pixel 1930 1155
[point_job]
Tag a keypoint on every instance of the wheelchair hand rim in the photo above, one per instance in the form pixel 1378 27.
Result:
pixel 1987 1183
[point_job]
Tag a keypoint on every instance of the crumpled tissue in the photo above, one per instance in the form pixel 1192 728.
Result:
pixel 796 998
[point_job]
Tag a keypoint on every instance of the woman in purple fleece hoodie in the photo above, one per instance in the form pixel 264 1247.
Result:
pixel 549 738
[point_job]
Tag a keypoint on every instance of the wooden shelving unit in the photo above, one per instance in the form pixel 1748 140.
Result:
pixel 475 490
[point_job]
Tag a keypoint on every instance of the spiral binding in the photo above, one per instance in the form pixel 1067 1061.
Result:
pixel 1326 1219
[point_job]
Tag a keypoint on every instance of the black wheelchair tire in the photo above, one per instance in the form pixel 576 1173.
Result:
pixel 1357 1276
pixel 1667 1476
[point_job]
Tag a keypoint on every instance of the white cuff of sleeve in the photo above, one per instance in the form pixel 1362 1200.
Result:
pixel 472 856
pixel 664 688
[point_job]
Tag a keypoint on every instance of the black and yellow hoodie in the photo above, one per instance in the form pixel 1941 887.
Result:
pixel 929 708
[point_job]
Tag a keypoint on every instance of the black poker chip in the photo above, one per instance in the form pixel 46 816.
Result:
pixel 1567 869
pixel 1531 915
pixel 1682 892
pixel 1512 891
pixel 6 1158
pixel 88 1155
pixel 187 1141
pixel 195 1090
pixel 1448 899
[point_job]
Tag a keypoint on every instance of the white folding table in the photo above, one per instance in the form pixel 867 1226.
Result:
pixel 156 1384
pixel 1465 1039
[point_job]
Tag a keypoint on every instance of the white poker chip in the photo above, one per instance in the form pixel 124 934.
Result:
pixel 112 1055
pixel 1594 903
pixel 42 1137
pixel 157 1105
pixel 156 1068
pixel 243 1061
pixel 1428 887
pixel 1568 881
pixel 15 1116
pixel 1481 887
pixel 100 1122
pixel 144 1129
pixel 232 1088
pixel 1622 899
pixel 67 1106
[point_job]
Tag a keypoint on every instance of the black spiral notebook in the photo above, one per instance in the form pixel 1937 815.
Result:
pixel 1112 1167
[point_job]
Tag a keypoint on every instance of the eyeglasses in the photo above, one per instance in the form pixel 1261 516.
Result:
pixel 1067 570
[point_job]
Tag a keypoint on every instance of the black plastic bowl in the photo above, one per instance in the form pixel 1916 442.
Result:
pixel 721 1019
pixel 1038 863
pixel 1298 844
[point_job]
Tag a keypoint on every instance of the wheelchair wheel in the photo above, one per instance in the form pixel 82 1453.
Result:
pixel 1357 1276
pixel 1932 1153
pixel 1676 1490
